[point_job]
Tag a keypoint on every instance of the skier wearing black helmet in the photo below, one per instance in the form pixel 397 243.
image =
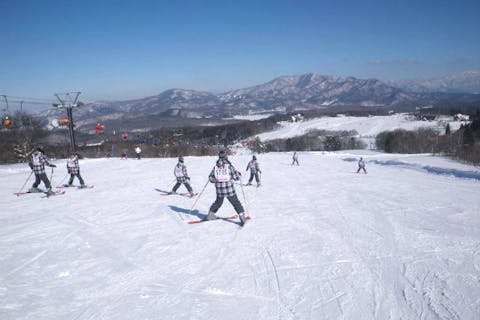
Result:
pixel 223 175
pixel 37 164
pixel 181 174
pixel 254 171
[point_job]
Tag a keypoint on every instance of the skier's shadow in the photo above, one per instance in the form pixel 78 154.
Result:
pixel 197 214
pixel 194 213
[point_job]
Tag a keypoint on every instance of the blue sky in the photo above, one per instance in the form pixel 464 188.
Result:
pixel 133 49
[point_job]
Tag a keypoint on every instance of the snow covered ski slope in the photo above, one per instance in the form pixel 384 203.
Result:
pixel 401 242
pixel 365 126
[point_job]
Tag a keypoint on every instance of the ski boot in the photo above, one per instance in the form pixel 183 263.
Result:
pixel 172 192
pixel 192 194
pixel 50 192
pixel 211 216
pixel 82 186
pixel 33 190
pixel 242 219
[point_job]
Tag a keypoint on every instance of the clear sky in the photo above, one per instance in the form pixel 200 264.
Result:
pixel 132 49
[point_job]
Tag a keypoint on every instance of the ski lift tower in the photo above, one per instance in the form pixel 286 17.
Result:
pixel 66 101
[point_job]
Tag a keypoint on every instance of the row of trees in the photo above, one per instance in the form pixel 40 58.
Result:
pixel 19 139
pixel 463 144
pixel 317 140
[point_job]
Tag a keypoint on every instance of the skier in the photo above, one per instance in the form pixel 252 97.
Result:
pixel 295 158
pixel 37 164
pixel 254 171
pixel 180 172
pixel 361 165
pixel 223 175
pixel 138 151
pixel 74 170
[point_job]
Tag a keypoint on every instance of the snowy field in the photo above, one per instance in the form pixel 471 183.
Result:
pixel 367 127
pixel 402 242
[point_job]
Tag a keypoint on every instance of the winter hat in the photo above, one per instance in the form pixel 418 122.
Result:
pixel 180 159
pixel 254 158
pixel 40 149
pixel 222 154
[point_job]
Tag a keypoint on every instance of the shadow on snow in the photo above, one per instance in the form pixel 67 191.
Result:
pixel 429 169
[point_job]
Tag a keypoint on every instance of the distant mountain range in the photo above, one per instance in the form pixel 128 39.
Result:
pixel 280 95
pixel 467 82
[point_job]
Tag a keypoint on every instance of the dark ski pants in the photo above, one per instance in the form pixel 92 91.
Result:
pixel 41 177
pixel 233 200
pixel 73 175
pixel 295 161
pixel 138 156
pixel 254 175
pixel 360 168
pixel 178 184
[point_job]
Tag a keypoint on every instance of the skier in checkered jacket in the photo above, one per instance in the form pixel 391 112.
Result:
pixel 181 174
pixel 254 171
pixel 223 175
pixel 37 164
pixel 74 170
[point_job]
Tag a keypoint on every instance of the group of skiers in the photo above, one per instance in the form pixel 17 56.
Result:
pixel 222 175
pixel 361 163
pixel 39 161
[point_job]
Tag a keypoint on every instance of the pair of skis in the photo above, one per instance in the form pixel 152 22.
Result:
pixel 234 217
pixel 46 195
pixel 72 186
pixel 164 193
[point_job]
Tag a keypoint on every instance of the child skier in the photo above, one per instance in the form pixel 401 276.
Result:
pixel 138 152
pixel 223 175
pixel 295 158
pixel 74 170
pixel 181 174
pixel 37 164
pixel 361 165
pixel 254 171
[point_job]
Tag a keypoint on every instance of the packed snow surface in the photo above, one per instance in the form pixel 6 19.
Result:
pixel 365 126
pixel 401 242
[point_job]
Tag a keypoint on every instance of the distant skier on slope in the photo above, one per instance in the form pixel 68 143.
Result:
pixel 138 152
pixel 361 165
pixel 181 174
pixel 74 170
pixel 37 164
pixel 223 175
pixel 295 158
pixel 254 171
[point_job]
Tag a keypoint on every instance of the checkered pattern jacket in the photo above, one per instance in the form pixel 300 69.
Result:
pixel 225 189
pixel 38 165
pixel 72 166
pixel 253 166
pixel 184 178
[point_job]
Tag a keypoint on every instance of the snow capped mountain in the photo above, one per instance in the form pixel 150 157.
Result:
pixel 467 82
pixel 313 90
pixel 283 94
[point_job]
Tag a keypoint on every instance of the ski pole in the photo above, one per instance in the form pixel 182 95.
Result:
pixel 244 198
pixel 18 193
pixel 199 195
pixel 51 176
